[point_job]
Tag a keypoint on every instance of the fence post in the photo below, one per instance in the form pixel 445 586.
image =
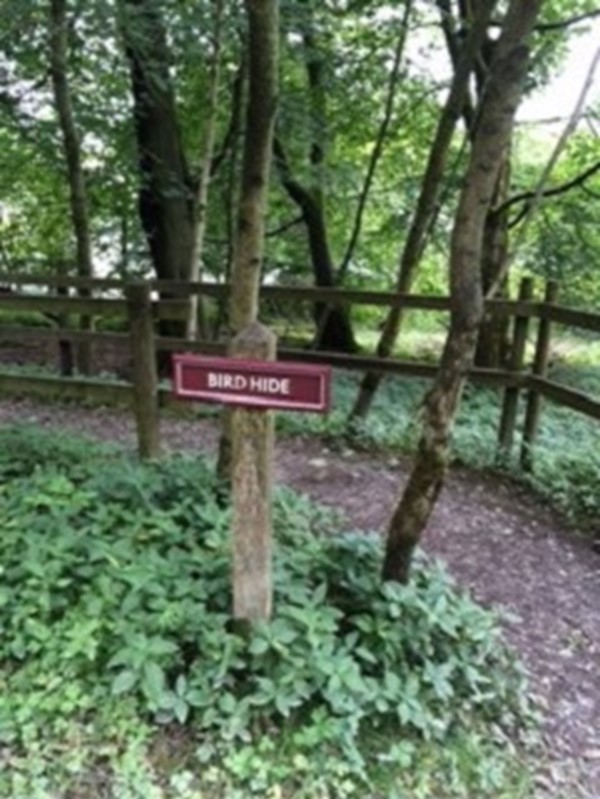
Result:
pixel 66 361
pixel 540 369
pixel 252 432
pixel 144 377
pixel 510 403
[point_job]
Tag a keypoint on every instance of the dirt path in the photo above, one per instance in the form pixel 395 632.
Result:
pixel 504 546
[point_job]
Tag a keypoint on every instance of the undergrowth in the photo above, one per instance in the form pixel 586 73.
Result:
pixel 121 677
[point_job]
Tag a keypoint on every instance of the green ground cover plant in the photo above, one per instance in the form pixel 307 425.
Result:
pixel 121 677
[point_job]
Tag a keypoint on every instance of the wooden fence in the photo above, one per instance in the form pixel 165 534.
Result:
pixel 134 304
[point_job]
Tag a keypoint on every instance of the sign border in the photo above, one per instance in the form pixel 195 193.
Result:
pixel 249 366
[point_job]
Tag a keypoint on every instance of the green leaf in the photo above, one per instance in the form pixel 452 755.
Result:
pixel 258 646
pixel 123 682
pixel 153 682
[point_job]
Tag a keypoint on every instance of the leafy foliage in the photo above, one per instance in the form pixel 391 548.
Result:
pixel 114 607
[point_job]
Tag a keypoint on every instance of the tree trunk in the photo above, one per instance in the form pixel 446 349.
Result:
pixel 333 325
pixel 72 151
pixel 496 120
pixel 427 204
pixel 334 331
pixel 248 250
pixel 166 194
pixel 196 322
pixel 492 344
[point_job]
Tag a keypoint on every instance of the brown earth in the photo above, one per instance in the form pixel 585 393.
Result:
pixel 502 544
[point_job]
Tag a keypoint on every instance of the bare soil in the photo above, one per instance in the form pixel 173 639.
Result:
pixel 500 543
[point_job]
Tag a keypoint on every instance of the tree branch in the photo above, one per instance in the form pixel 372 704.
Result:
pixel 535 202
pixel 294 188
pixel 550 27
pixel 526 196
pixel 379 143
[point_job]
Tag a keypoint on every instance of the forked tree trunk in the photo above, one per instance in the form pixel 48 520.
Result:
pixel 334 330
pixel 427 203
pixel 166 194
pixel 333 323
pixel 496 120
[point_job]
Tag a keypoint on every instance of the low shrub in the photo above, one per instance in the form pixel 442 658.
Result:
pixel 121 676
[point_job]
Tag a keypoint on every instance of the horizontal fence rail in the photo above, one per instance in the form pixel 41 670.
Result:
pixel 170 301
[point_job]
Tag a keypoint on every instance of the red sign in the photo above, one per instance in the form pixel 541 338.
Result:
pixel 252 384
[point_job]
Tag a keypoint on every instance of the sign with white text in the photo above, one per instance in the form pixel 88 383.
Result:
pixel 252 384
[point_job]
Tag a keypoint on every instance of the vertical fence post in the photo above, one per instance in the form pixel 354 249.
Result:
pixel 252 432
pixel 145 380
pixel 65 346
pixel 540 369
pixel 510 404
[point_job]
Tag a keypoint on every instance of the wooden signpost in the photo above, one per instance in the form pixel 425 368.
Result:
pixel 254 384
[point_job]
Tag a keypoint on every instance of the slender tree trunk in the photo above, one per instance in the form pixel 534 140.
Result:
pixel 263 36
pixel 427 202
pixel 491 139
pixel 72 151
pixel 166 193
pixel 196 322
pixel 248 251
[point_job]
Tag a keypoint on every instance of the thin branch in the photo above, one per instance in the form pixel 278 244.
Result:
pixel 284 227
pixel 593 194
pixel 547 171
pixel 526 196
pixel 550 27
pixel 379 144
pixel 293 187
pixel 233 129
pixel 560 24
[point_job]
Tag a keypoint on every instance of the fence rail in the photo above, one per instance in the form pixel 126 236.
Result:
pixel 141 304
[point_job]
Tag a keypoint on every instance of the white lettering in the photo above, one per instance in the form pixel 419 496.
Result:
pixel 270 385
pixel 226 382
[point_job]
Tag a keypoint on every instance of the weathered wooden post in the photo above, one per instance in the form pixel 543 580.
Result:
pixel 510 404
pixel 253 384
pixel 540 369
pixel 145 380
pixel 252 432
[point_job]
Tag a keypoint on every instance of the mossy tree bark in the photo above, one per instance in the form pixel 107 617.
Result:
pixel 493 343
pixel 495 124
pixel 248 249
